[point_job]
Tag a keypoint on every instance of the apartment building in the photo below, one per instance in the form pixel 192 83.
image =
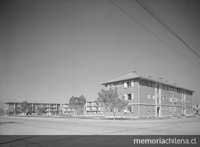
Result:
pixel 66 109
pixel 10 106
pixel 92 107
pixel 151 98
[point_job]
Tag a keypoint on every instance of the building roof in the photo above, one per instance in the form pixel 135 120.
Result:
pixel 29 103
pixel 122 78
pixel 134 75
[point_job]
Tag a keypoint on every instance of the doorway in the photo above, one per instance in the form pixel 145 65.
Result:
pixel 158 111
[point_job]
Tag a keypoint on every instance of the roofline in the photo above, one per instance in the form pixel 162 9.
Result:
pixel 112 81
pixel 149 79
pixel 29 103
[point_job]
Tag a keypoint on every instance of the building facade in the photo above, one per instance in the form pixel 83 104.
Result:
pixel 92 107
pixel 53 107
pixel 151 98
pixel 66 109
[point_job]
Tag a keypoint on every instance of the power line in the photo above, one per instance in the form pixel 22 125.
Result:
pixel 152 13
pixel 191 10
pixel 188 16
pixel 151 32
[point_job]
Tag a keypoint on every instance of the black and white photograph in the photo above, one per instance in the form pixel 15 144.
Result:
pixel 99 73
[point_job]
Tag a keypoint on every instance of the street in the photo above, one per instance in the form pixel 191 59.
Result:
pixel 73 126
pixel 27 131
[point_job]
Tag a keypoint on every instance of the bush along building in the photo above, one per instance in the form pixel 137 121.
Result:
pixel 151 98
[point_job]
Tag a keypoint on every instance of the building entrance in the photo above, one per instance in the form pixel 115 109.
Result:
pixel 158 111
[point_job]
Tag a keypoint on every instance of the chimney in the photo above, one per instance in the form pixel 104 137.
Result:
pixel 135 72
pixel 161 79
pixel 150 77
pixel 166 81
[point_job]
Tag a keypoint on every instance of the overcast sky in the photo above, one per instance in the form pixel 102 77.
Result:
pixel 52 50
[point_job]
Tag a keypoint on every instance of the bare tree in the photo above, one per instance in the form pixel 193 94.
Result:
pixel 110 100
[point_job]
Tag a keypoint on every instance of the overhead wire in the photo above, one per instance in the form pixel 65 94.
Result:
pixel 152 13
pixel 152 32
pixel 197 18
pixel 188 16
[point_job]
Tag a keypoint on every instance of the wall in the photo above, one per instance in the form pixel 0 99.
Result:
pixel 170 99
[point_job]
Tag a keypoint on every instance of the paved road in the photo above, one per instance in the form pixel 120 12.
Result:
pixel 77 131
pixel 62 126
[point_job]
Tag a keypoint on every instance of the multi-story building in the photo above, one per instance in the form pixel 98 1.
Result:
pixel 10 106
pixel 92 107
pixel 149 97
pixel 66 109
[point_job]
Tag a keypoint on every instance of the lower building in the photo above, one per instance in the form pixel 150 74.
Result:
pixel 92 107
pixel 49 107
pixel 66 109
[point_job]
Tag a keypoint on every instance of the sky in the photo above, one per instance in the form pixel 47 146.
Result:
pixel 53 50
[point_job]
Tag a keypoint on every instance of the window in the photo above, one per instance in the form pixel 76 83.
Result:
pixel 170 109
pixel 149 108
pixel 166 109
pixel 125 85
pixel 132 96
pixel 129 96
pixel 157 88
pixel 162 108
pixel 179 90
pixel 108 86
pixel 125 110
pixel 171 89
pixel 153 97
pixel 153 108
pixel 162 98
pixel 132 83
pixel 152 85
pixel 125 96
pixel 128 84
pixel 175 100
pixel 163 86
pixel 190 93
pixel 181 100
pixel 148 96
pixel 129 109
pixel 170 100
pixel 119 85
pixel 148 84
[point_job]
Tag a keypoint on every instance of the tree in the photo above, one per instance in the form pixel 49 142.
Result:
pixel 26 108
pixel 110 100
pixel 77 103
pixel 18 110
pixel 1 108
pixel 1 111
pixel 40 110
